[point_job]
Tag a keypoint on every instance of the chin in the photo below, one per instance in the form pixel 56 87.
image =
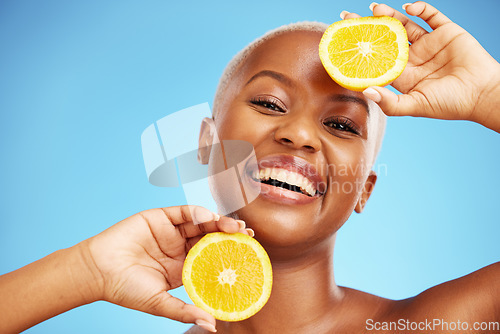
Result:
pixel 286 230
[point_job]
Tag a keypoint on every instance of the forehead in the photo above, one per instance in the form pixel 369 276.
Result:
pixel 298 45
pixel 294 53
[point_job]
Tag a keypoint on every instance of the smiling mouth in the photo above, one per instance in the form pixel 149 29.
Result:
pixel 286 179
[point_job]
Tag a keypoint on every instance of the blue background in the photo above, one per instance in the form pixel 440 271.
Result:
pixel 81 80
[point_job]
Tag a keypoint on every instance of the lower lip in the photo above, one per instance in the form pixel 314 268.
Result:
pixel 283 195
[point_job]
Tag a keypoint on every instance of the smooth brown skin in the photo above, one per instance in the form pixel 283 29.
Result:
pixel 300 238
pixel 136 261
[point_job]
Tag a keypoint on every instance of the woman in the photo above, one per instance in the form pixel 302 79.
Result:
pixel 281 100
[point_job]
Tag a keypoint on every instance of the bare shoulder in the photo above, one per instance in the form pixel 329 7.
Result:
pixel 475 296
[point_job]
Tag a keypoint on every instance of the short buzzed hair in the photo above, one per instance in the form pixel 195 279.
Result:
pixel 239 59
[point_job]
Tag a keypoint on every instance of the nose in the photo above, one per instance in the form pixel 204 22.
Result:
pixel 298 133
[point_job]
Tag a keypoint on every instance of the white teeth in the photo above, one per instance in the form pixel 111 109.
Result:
pixel 281 175
pixel 267 173
pixel 303 181
pixel 292 178
pixel 287 176
pixel 310 189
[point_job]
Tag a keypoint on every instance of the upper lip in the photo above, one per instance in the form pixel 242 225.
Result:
pixel 297 165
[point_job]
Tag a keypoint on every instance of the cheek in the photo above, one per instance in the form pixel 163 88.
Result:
pixel 241 124
pixel 347 171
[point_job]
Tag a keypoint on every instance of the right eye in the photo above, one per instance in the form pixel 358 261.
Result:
pixel 271 104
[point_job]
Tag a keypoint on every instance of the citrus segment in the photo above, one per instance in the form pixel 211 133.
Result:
pixel 228 275
pixel 363 52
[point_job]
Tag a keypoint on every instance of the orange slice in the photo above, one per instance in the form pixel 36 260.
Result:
pixel 228 275
pixel 363 52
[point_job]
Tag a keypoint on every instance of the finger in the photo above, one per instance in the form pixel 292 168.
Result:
pixel 224 224
pixel 229 225
pixel 173 308
pixel 190 242
pixel 413 104
pixel 250 232
pixel 413 30
pixel 189 213
pixel 344 15
pixel 428 13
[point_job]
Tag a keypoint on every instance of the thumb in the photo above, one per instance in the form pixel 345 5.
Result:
pixel 165 305
pixel 397 105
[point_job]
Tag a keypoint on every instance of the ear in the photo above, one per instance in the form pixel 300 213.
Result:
pixel 367 191
pixel 206 139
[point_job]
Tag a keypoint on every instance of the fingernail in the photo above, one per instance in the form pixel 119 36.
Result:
pixel 406 5
pixel 343 14
pixel 372 5
pixel 372 94
pixel 206 325
pixel 216 217
pixel 250 232
pixel 241 224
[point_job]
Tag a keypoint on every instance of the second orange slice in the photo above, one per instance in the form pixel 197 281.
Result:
pixel 228 275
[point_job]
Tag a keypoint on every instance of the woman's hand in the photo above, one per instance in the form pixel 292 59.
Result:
pixel 133 264
pixel 139 259
pixel 448 76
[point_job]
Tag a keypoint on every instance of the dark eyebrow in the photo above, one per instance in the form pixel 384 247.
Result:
pixel 350 98
pixel 272 74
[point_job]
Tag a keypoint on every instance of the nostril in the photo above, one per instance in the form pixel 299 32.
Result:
pixel 309 147
pixel 307 144
pixel 287 141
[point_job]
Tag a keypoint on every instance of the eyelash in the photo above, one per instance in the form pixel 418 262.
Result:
pixel 268 103
pixel 341 124
pixel 336 123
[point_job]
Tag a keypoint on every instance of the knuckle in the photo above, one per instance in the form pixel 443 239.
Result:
pixel 432 16
pixel 413 35
pixel 185 213
pixel 182 230
pixel 203 228
pixel 167 215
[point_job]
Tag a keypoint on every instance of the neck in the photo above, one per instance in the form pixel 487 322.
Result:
pixel 304 293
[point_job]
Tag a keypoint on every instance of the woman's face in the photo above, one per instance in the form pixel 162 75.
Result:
pixel 306 127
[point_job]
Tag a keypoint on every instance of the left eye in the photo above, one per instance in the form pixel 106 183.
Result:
pixel 271 106
pixel 343 125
